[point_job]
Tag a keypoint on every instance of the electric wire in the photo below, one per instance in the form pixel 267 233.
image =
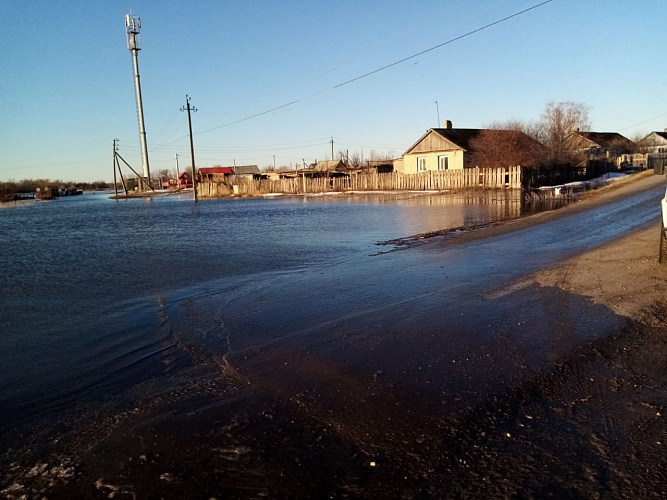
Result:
pixel 382 68
pixel 342 84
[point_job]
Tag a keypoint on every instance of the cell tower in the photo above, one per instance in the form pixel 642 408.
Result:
pixel 132 26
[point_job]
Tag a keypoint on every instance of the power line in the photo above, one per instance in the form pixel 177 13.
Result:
pixel 643 122
pixel 365 75
pixel 342 84
pixel 452 40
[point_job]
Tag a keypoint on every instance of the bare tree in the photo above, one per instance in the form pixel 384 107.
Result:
pixel 558 121
pixel 637 136
pixel 506 147
pixel 355 159
pixel 643 142
pixel 377 156
pixel 531 129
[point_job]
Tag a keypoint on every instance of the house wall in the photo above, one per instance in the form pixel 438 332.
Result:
pixel 654 143
pixel 456 161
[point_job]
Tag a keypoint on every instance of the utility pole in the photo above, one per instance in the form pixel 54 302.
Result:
pixel 438 110
pixel 115 185
pixel 332 155
pixel 178 173
pixel 192 147
pixel 132 27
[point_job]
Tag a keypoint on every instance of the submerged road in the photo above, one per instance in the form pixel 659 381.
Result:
pixel 378 377
pixel 441 285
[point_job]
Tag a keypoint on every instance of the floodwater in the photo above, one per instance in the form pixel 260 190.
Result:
pixel 80 276
pixel 107 303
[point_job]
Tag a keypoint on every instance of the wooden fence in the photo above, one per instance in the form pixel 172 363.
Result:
pixel 358 181
pixel 658 162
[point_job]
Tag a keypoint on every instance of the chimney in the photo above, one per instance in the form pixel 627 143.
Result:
pixel 447 124
pixel 666 130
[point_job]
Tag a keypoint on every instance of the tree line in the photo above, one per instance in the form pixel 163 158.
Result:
pixel 31 185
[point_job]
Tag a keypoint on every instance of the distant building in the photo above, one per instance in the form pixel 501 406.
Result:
pixel 329 166
pixel 185 180
pixel 440 149
pixel 246 170
pixel 169 183
pixel 655 142
pixel 210 171
pixel 251 171
pixel 380 166
pixel 609 144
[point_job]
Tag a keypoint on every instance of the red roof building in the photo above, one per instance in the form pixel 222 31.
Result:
pixel 215 170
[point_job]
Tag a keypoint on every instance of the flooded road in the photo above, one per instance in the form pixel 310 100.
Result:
pixel 81 278
pixel 365 374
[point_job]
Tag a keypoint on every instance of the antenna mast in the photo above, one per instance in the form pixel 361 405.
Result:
pixel 132 27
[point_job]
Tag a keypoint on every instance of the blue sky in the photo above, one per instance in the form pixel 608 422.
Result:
pixel 67 83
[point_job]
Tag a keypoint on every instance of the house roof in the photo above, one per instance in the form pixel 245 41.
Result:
pixel 215 170
pixel 245 169
pixel 652 136
pixel 603 139
pixel 329 166
pixel 458 137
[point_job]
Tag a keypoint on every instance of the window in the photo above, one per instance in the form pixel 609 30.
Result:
pixel 421 164
pixel 443 162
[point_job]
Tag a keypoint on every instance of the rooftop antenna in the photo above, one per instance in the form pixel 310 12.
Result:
pixel 132 27
pixel 438 110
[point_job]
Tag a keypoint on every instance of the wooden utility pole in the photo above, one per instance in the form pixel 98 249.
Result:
pixel 332 156
pixel 178 173
pixel 115 185
pixel 192 147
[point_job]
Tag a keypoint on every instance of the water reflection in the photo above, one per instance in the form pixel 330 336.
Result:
pixel 421 212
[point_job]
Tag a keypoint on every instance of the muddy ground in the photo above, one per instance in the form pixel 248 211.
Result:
pixel 592 424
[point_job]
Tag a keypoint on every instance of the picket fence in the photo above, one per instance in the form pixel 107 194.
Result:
pixel 493 178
